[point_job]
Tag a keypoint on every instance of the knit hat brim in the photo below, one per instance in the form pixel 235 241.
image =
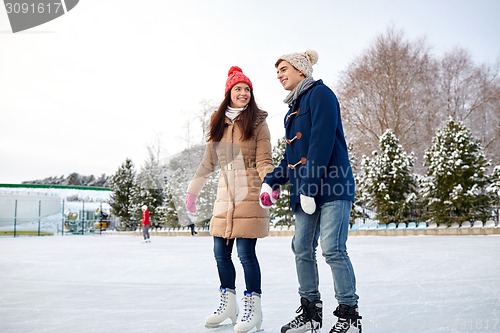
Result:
pixel 303 62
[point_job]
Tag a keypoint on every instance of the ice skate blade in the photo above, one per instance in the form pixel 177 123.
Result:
pixel 252 330
pixel 214 326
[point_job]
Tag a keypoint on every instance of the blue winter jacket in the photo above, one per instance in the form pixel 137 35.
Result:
pixel 316 161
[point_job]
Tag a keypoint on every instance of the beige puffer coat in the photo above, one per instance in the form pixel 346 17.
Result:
pixel 243 166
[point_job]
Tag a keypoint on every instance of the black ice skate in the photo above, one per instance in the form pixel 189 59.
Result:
pixel 349 320
pixel 308 320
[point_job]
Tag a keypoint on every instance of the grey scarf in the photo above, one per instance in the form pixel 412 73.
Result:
pixel 300 88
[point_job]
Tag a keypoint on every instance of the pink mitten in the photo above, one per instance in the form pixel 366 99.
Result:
pixel 191 202
pixel 268 196
pixel 265 200
pixel 276 194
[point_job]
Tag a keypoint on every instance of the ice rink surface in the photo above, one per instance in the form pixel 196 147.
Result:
pixel 112 283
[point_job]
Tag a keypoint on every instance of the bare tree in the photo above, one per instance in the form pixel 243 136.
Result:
pixel 391 86
pixel 470 94
pixel 207 108
pixel 396 84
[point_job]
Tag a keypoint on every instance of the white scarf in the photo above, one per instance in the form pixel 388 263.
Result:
pixel 232 113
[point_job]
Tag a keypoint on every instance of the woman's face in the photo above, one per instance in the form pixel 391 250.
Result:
pixel 240 95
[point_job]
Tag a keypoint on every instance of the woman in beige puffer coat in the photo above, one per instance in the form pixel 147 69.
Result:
pixel 238 144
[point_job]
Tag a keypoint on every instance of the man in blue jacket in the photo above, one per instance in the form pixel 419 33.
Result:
pixel 316 164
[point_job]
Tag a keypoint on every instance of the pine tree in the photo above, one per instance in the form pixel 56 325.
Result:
pixel 168 212
pixel 493 191
pixel 358 210
pixel 180 172
pixel 206 200
pixel 121 202
pixel 389 181
pixel 494 188
pixel 175 192
pixel 149 190
pixel 281 212
pixel 152 198
pixel 455 182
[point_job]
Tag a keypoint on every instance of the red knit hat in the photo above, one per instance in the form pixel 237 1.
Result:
pixel 234 76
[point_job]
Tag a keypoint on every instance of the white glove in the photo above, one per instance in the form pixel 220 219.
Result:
pixel 308 205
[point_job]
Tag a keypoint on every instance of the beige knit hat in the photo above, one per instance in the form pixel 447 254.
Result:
pixel 301 61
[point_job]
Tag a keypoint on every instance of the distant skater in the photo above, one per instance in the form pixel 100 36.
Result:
pixel 146 224
pixel 193 232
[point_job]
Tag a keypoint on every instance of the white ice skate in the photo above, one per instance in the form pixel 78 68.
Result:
pixel 228 308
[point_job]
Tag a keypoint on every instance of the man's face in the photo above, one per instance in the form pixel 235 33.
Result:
pixel 288 75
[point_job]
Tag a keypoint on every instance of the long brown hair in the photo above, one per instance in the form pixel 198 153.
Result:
pixel 246 120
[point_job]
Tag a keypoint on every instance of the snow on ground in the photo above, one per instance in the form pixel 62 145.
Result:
pixel 113 283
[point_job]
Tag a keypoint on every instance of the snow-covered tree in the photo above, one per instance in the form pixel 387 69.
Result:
pixel 206 200
pixel 149 189
pixel 454 188
pixel 181 169
pixel 389 181
pixel 121 202
pixel 175 193
pixel 168 213
pixel 494 188
pixel 152 198
pixel 281 212
pixel 152 174
pixel 74 179
pixel 358 210
pixel 493 191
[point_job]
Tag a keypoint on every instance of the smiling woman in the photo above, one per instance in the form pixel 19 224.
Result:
pixel 238 143
pixel 240 95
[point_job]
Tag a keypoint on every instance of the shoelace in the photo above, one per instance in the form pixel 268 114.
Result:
pixel 222 305
pixel 303 318
pixel 247 308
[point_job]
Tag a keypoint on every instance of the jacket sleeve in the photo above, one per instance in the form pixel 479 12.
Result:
pixel 279 175
pixel 263 157
pixel 324 119
pixel 205 169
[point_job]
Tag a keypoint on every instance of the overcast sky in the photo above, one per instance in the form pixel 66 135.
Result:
pixel 108 79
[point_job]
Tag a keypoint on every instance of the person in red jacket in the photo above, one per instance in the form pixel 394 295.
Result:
pixel 146 224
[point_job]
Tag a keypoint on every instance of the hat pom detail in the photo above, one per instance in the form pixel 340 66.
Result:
pixel 312 55
pixel 235 75
pixel 233 70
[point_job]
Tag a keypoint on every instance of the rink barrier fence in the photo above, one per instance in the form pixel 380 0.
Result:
pixel 403 230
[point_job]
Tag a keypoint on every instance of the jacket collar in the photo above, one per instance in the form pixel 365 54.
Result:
pixel 261 116
pixel 297 101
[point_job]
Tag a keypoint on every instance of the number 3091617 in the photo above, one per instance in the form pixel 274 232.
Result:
pixel 33 8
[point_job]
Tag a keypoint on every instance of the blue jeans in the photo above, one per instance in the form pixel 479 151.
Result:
pixel 145 231
pixel 330 222
pixel 246 252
